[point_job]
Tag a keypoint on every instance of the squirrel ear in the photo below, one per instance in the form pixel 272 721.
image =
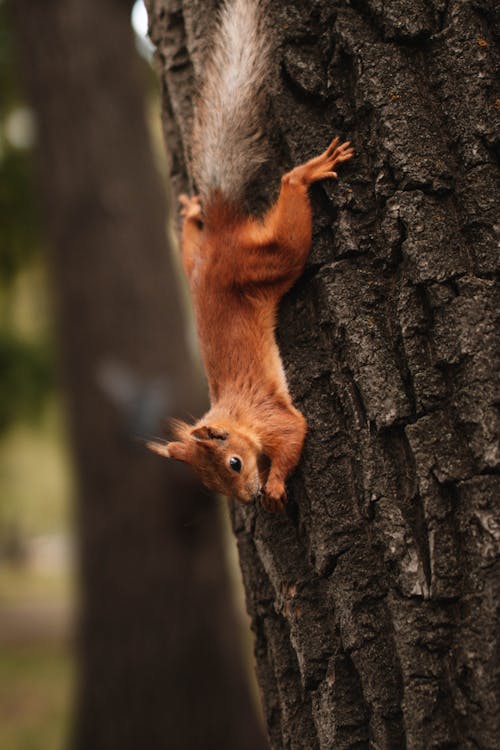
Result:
pixel 209 432
pixel 169 450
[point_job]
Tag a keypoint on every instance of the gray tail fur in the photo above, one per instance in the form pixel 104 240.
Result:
pixel 228 143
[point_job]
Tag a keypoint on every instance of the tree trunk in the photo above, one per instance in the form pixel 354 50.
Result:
pixel 159 659
pixel 373 597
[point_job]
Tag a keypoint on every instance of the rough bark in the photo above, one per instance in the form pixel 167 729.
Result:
pixel 158 650
pixel 373 598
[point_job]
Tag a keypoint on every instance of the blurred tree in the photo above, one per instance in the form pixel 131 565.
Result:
pixel 26 372
pixel 160 665
pixel 373 597
pixel 19 217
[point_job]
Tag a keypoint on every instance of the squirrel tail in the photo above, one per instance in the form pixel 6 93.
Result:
pixel 228 142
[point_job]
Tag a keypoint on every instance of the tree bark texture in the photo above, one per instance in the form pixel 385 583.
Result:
pixel 373 597
pixel 159 656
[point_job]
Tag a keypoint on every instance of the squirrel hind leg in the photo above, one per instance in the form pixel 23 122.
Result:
pixel 190 206
pixel 323 166
pixel 192 229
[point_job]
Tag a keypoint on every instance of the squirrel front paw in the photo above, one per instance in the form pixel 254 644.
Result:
pixel 274 496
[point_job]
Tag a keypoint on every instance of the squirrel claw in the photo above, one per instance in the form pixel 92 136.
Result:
pixel 275 496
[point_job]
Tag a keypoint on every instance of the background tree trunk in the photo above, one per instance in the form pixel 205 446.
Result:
pixel 372 598
pixel 159 660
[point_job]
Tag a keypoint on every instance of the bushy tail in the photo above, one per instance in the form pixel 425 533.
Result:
pixel 228 147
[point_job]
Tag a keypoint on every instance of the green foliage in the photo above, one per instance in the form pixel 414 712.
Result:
pixel 26 378
pixel 35 693
pixel 19 220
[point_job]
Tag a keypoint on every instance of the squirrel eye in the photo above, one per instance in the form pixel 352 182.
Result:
pixel 235 464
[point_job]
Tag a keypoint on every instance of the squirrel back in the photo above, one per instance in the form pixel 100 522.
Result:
pixel 228 144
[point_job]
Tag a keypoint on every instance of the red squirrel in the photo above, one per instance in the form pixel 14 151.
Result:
pixel 238 268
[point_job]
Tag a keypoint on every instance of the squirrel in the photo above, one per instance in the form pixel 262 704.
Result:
pixel 238 268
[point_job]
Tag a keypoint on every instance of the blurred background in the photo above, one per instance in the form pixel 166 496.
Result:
pixel 122 619
pixel 37 576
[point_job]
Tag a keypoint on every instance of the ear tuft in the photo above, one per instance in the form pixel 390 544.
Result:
pixel 169 450
pixel 181 430
pixel 209 432
pixel 160 448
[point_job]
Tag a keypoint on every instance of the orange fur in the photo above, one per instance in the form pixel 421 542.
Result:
pixel 238 269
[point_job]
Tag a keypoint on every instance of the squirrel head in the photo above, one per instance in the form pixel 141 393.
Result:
pixel 226 456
